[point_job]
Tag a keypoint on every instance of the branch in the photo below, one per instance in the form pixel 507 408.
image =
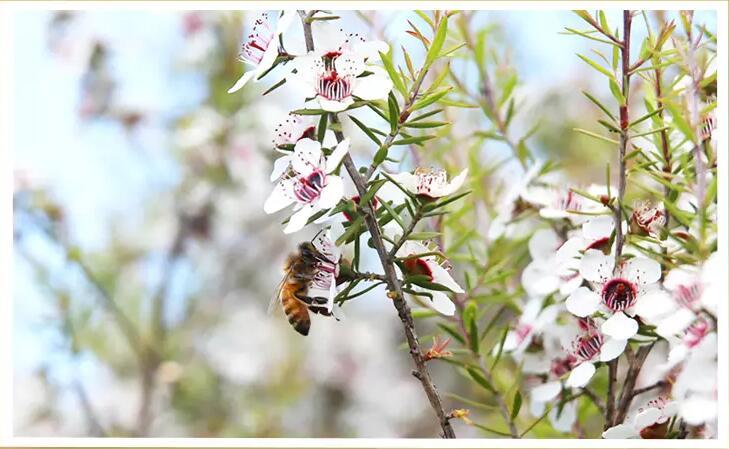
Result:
pixel 393 283
pixel 628 393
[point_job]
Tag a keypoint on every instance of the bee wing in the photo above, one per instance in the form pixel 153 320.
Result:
pixel 277 297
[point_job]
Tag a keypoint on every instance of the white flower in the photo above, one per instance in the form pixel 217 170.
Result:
pixel 324 283
pixel 588 347
pixel 294 128
pixel 649 422
pixel 436 273
pixel 545 274
pixel 428 182
pixel 647 219
pixel 532 321
pixel 696 385
pixel 619 293
pixel 261 47
pixel 560 202
pixel 309 182
pixel 335 79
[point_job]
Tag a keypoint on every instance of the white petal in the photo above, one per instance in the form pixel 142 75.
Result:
pixel 299 219
pixel 332 193
pixel 279 167
pixel 698 410
pixel 675 323
pixel 563 421
pixel 332 293
pixel 646 418
pixel 611 349
pixel 371 49
pixel 598 227
pixel 570 250
pixel 279 198
pixel 546 392
pixel 621 432
pixel 337 155
pixel 596 266
pixel 443 277
pixel 543 244
pixel 642 270
pixel 406 180
pixel 242 81
pixel 307 156
pixel 583 302
pixel 285 21
pixel 580 375
pixel 620 326
pixel 454 184
pixel 653 304
pixel 547 317
pixel 442 303
pixel 539 279
pixel 335 106
pixel 510 342
pixel 269 57
pixel 373 87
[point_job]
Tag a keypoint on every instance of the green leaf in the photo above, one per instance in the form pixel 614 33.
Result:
pixel 306 111
pixel 596 136
pixel 351 232
pixel 425 235
pixel 680 122
pixel 394 76
pixel 603 21
pixel 617 93
pixel 423 125
pixel 430 99
pixel 599 105
pixel 413 140
pixel 478 377
pixel 394 214
pixel 321 130
pixel 274 87
pixel 516 405
pixel 426 284
pixel 394 113
pixel 500 348
pixel 597 66
pixel 437 44
pixel 471 324
pixel 365 129
pixel 452 332
pixel 374 187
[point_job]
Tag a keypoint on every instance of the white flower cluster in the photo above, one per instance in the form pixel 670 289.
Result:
pixel 584 310
pixel 341 70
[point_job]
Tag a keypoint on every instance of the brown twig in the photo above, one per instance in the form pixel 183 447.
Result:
pixel 628 392
pixel 393 283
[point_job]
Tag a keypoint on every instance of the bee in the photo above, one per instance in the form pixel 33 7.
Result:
pixel 312 268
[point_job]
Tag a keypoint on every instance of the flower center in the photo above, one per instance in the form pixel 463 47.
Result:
pixel 619 294
pixel 429 180
pixel 334 87
pixel 570 201
pixel 258 41
pixel 522 331
pixel 599 244
pixel 589 346
pixel 308 189
pixel 688 295
pixel 696 332
pixel 418 266
pixel 562 365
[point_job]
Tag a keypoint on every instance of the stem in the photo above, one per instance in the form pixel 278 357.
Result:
pixel 499 400
pixel 393 283
pixel 631 377
pixel 610 403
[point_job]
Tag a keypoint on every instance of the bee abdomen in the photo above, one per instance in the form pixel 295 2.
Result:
pixel 297 315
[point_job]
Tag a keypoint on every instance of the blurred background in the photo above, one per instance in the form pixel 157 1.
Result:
pixel 144 263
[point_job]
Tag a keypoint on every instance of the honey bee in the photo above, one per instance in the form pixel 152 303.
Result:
pixel 312 268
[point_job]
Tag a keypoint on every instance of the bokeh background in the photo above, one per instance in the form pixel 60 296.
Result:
pixel 138 179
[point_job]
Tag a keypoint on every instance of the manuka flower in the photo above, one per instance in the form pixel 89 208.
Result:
pixel 650 422
pixel 308 182
pixel 559 202
pixel 618 293
pixel 532 321
pixel 433 270
pixel 430 183
pixel 334 80
pixel 261 47
pixel 590 346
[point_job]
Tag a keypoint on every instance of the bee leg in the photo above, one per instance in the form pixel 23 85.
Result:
pixel 320 310
pixel 311 300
